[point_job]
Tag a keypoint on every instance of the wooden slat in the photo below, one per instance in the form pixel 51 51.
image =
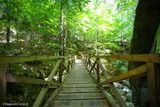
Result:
pixel 43 91
pixel 135 72
pixel 79 85
pixel 20 59
pixel 80 103
pixel 78 96
pixel 150 58
pixel 78 81
pixel 79 90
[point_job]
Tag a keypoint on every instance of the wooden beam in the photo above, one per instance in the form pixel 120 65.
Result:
pixel 54 71
pixel 40 97
pixel 93 66
pixel 157 69
pixel 20 59
pixel 2 84
pixel 44 90
pixel 150 58
pixel 98 72
pixel 68 66
pixel 115 93
pixel 88 61
pixel 50 99
pixel 152 88
pixel 101 66
pixel 26 80
pixel 132 73
pixel 60 72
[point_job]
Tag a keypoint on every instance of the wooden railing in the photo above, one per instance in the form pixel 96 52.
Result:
pixel 58 69
pixel 147 69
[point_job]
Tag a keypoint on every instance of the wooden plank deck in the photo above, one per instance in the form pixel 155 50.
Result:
pixel 79 90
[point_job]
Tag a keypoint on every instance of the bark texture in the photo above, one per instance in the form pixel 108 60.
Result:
pixel 146 25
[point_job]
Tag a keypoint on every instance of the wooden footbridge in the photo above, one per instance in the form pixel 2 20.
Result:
pixel 79 83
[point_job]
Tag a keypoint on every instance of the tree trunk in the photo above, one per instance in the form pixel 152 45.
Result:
pixel 61 39
pixel 61 29
pixel 146 24
pixel 8 22
pixel 8 35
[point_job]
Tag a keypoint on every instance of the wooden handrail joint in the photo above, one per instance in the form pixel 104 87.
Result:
pixel 132 73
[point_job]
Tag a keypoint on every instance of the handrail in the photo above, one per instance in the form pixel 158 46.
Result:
pixel 97 66
pixel 150 58
pixel 8 77
pixel 27 80
pixel 93 66
pixel 132 73
pixel 147 69
pixel 45 89
pixel 20 59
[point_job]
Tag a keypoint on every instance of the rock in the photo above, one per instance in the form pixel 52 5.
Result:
pixel 118 85
pixel 126 89
pixel 126 83
pixel 129 104
pixel 129 97
pixel 124 98
pixel 121 92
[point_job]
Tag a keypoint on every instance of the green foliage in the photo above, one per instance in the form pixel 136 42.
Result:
pixel 157 41
pixel 24 93
pixel 105 22
pixel 89 26
pixel 120 66
pixel 32 69
pixel 27 92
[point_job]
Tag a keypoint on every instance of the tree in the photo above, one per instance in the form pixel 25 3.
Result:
pixel 112 19
pixel 146 24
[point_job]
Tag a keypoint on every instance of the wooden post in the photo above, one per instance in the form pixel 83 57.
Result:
pixel 88 62
pixel 70 64
pixel 44 90
pixel 158 82
pixel 157 70
pixel 93 66
pixel 98 71
pixel 152 88
pixel 2 84
pixel 60 72
pixel 67 66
